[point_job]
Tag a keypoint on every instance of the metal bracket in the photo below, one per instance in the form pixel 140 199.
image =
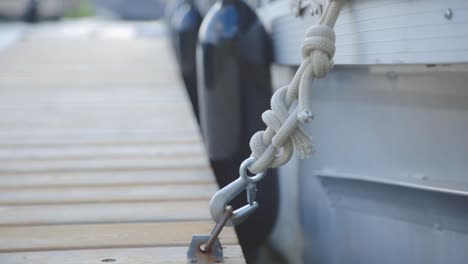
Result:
pixel 298 7
pixel 195 253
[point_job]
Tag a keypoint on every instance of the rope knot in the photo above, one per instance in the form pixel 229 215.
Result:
pixel 319 46
pixel 275 146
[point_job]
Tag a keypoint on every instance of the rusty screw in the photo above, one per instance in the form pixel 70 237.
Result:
pixel 217 229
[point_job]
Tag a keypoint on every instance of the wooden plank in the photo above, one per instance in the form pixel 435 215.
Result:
pixel 181 115
pixel 74 96
pixel 139 53
pixel 54 136
pixel 104 213
pixel 135 164
pixel 102 152
pixel 74 107
pixel 113 178
pixel 28 120
pixel 28 139
pixel 66 237
pixel 25 196
pixel 151 255
pixel 78 124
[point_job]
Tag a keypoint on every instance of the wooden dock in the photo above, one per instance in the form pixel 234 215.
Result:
pixel 101 160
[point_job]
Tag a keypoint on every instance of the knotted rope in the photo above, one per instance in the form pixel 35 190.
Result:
pixel 291 105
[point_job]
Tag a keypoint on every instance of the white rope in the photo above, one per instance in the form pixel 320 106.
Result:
pixel 291 105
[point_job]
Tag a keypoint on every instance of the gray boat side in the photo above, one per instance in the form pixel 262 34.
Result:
pixel 388 181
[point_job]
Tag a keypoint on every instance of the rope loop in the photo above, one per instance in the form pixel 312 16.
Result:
pixel 275 146
pixel 319 47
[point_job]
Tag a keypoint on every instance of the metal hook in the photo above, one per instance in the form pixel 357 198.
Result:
pixel 221 199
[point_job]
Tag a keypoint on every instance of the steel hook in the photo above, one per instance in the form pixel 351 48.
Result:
pixel 221 199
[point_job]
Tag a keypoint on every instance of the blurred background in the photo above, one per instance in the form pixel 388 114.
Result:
pixel 37 10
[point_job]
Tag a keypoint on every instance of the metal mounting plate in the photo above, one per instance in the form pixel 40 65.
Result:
pixel 196 255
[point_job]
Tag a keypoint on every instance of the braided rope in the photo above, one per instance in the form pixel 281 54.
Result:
pixel 291 105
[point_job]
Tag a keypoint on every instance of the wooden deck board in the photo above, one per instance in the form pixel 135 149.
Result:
pixel 128 178
pixel 87 236
pixel 59 214
pixel 20 166
pixel 59 153
pixel 102 194
pixel 150 255
pixel 100 155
